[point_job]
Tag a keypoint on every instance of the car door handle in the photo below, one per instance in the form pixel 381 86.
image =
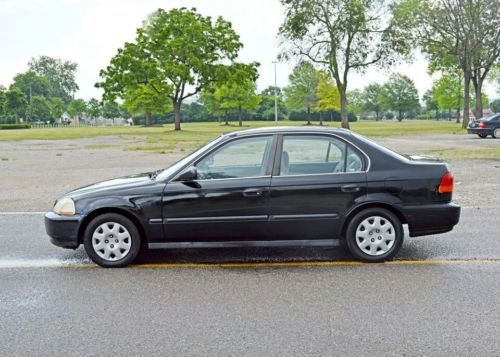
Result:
pixel 253 192
pixel 350 188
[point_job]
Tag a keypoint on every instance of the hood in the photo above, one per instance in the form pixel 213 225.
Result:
pixel 114 184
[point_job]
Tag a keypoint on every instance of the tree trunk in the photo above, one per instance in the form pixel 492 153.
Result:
pixel 177 111
pixel 227 118
pixel 465 121
pixel 400 115
pixel 377 116
pixel 449 114
pixel 308 115
pixel 320 118
pixel 457 116
pixel 149 120
pixel 344 119
pixel 240 114
pixel 478 86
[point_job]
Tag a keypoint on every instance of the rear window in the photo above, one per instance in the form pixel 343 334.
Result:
pixel 490 117
pixel 381 148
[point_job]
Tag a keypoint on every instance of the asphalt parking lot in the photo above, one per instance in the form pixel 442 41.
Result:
pixel 439 297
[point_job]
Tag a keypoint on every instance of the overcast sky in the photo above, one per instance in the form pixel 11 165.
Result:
pixel 89 32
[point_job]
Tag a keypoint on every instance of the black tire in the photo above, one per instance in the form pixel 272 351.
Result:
pixel 351 241
pixel 112 218
pixel 482 136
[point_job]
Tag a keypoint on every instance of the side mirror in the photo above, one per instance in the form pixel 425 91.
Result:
pixel 189 174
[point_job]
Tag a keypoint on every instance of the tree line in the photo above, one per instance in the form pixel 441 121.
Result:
pixel 179 56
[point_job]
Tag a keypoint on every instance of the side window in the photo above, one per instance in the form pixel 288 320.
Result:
pixel 354 162
pixel 312 154
pixel 239 158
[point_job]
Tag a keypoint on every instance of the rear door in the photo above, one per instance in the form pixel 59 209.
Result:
pixel 316 179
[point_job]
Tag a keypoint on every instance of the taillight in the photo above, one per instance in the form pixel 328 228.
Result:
pixel 446 185
pixel 481 124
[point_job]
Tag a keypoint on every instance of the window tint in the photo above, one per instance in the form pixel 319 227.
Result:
pixel 238 158
pixel 305 155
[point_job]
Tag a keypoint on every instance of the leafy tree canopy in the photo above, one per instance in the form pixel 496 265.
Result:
pixel 57 107
pixel 176 53
pixel 39 109
pixel 59 74
pixel 400 95
pixel 76 108
pixel 328 97
pixel 145 100
pixel 301 93
pixel 372 99
pixel 32 84
pixel 16 104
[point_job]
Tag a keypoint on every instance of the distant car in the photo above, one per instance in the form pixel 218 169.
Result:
pixel 269 187
pixel 483 127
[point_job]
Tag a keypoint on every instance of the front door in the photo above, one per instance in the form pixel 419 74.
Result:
pixel 315 181
pixel 228 200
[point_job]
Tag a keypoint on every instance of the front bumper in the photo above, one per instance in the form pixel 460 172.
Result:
pixel 432 219
pixel 63 230
pixel 482 131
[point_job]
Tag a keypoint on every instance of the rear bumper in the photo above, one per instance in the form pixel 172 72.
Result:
pixel 62 230
pixel 432 219
pixel 482 131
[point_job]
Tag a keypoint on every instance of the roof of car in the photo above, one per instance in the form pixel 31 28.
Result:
pixel 288 129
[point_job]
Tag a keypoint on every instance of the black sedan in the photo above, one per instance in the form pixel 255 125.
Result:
pixel 483 127
pixel 289 186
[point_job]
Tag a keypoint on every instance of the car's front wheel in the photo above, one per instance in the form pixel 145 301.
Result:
pixel 374 235
pixel 112 240
pixel 496 133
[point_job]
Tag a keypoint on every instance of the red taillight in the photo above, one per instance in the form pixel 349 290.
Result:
pixel 481 124
pixel 446 185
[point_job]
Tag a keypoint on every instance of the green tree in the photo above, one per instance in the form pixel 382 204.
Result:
pixel 32 85
pixel 238 96
pixel 372 99
pixel 16 104
pixel 328 97
pixel 455 35
pixel 301 93
pixel 110 110
pixel 76 108
pixel 57 108
pixel 39 109
pixel 94 108
pixel 60 75
pixel 430 101
pixel 145 100
pixel 495 106
pixel 400 95
pixel 341 35
pixel 447 93
pixel 3 103
pixel 356 102
pixel 266 107
pixel 212 104
pixel 176 53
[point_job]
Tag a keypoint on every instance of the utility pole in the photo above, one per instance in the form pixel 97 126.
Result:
pixel 275 94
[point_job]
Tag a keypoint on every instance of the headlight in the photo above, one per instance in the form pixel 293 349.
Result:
pixel 65 207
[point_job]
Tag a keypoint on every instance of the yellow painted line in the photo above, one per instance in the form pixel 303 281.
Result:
pixel 27 265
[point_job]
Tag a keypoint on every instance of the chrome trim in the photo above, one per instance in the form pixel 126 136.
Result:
pixel 215 219
pixel 288 217
pixel 233 178
pixel 253 243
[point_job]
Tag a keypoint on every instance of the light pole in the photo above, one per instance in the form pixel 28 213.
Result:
pixel 275 94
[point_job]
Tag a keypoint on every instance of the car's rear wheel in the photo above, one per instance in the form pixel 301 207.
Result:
pixel 112 240
pixel 482 136
pixel 496 133
pixel 374 235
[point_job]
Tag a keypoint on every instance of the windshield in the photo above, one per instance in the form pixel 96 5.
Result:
pixel 164 174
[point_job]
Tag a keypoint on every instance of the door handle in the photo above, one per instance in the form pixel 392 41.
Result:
pixel 350 188
pixel 253 192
